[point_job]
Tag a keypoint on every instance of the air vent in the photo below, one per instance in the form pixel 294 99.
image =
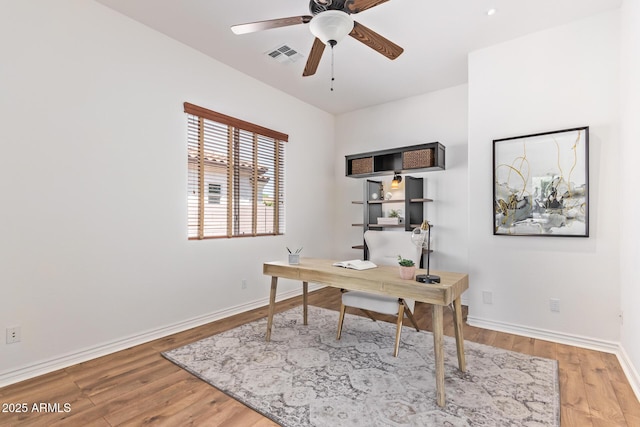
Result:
pixel 284 53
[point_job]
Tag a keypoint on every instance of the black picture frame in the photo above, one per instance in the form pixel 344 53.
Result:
pixel 541 184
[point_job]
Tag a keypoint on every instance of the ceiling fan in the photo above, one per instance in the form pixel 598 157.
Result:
pixel 330 21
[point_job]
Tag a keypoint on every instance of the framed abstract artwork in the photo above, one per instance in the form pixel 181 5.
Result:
pixel 541 184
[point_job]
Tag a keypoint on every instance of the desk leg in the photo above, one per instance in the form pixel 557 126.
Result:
pixel 272 305
pixel 305 290
pixel 438 350
pixel 457 322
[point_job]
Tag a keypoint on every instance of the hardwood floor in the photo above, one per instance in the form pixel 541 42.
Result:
pixel 138 386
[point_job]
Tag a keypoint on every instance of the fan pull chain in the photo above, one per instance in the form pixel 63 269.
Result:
pixel 332 74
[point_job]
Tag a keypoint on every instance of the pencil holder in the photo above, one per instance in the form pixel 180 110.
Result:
pixel 294 259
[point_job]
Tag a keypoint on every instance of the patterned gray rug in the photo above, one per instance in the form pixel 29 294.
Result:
pixel 304 377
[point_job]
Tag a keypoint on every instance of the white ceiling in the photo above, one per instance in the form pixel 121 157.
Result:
pixel 436 36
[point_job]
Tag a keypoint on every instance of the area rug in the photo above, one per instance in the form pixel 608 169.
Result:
pixel 305 377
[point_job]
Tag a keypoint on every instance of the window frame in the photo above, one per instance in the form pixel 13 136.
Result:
pixel 260 139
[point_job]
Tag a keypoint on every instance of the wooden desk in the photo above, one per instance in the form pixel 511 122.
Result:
pixel 384 280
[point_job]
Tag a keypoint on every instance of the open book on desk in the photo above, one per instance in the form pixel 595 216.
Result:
pixel 355 264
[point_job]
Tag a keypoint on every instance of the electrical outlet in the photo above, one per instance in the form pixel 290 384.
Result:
pixel 554 305
pixel 244 283
pixel 487 297
pixel 13 334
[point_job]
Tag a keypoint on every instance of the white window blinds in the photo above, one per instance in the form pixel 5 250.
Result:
pixel 236 176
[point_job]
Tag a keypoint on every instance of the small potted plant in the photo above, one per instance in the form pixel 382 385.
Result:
pixel 394 218
pixel 396 213
pixel 407 268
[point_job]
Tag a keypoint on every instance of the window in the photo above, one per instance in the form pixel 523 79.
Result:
pixel 236 176
pixel 214 193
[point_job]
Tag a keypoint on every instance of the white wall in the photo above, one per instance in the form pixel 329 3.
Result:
pixel 93 170
pixel 630 176
pixel 436 116
pixel 561 78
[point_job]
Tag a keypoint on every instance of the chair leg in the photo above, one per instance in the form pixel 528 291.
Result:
pixel 343 308
pixel 399 328
pixel 413 319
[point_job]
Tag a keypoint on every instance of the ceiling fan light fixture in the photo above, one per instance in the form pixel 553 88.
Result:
pixel 331 26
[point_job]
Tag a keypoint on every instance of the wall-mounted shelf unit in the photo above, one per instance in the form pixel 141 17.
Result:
pixel 413 158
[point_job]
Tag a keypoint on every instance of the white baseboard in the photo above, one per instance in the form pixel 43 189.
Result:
pixel 559 337
pixel 569 339
pixel 630 371
pixel 83 355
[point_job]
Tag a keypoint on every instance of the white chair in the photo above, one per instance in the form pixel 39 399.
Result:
pixel 384 248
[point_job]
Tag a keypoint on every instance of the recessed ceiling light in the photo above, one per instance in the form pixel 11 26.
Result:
pixel 491 12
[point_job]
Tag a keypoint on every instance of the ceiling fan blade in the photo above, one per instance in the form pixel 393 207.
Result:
pixel 357 6
pixel 252 27
pixel 314 58
pixel 375 41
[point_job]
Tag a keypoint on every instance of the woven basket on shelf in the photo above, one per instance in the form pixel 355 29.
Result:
pixel 364 165
pixel 417 159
